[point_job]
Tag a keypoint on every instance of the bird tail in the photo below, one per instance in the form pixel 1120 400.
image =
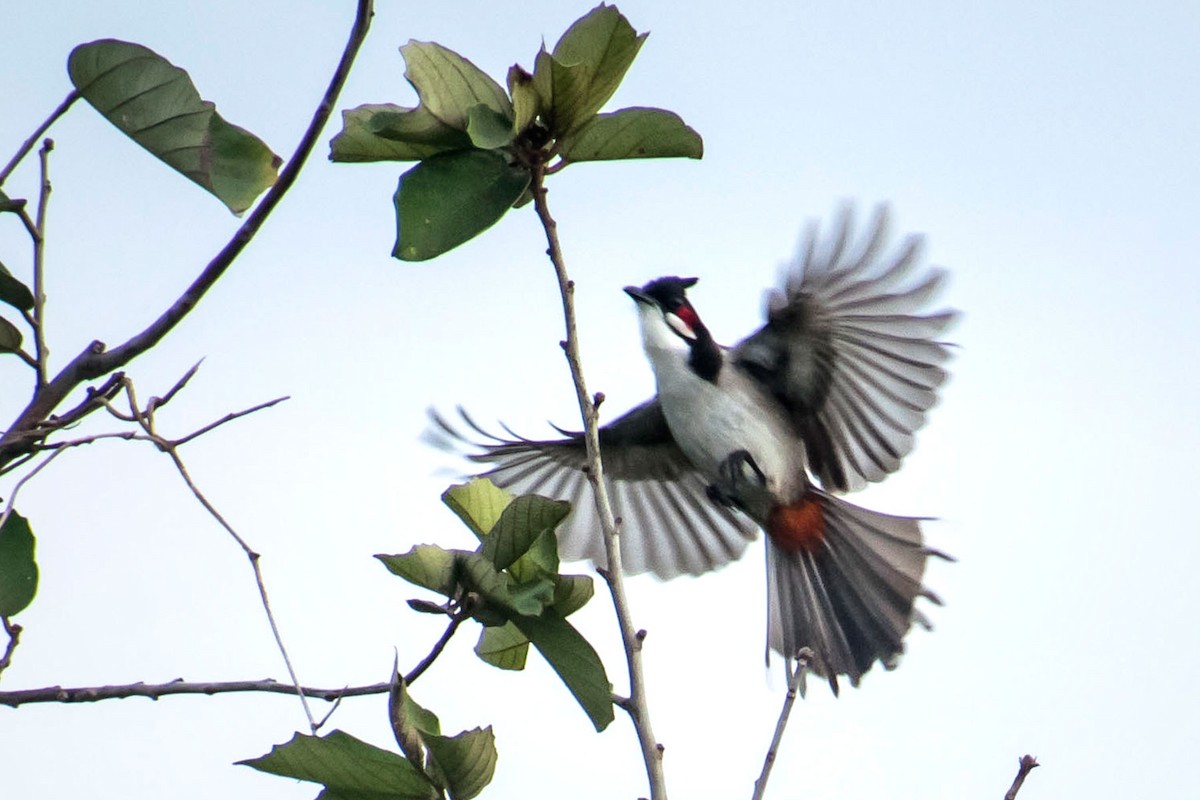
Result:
pixel 842 582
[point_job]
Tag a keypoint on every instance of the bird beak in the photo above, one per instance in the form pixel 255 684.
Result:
pixel 637 294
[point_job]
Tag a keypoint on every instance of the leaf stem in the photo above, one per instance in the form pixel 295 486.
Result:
pixel 631 638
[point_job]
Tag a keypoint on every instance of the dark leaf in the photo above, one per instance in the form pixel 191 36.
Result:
pixel 18 568
pixel 488 129
pixel 10 337
pixel 467 760
pixel 451 198
pixel 573 658
pixel 347 767
pixel 156 104
pixel 520 524
pixel 571 593
pixel 13 292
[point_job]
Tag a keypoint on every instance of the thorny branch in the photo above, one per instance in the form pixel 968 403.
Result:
pixel 35 422
pixel 631 638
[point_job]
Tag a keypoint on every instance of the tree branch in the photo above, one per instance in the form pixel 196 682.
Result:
pixel 95 360
pixel 39 273
pixel 92 694
pixel 28 144
pixel 1024 767
pixel 14 638
pixel 631 638
pixel 795 686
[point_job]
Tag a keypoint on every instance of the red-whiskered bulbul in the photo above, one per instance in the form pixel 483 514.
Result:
pixel 825 397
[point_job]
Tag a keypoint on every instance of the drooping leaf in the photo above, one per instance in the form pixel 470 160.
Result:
pixel 601 45
pixel 451 198
pixel 633 133
pixel 503 646
pixel 572 592
pixel 18 567
pixel 425 565
pixel 410 723
pixel 450 85
pixel 388 132
pixel 13 292
pixel 347 767
pixel 478 503
pixel 10 337
pixel 575 661
pixel 155 103
pixel 520 524
pixel 468 760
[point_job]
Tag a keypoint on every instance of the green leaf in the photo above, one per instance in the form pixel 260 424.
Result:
pixel 410 723
pixel 468 760
pixel 347 767
pixel 425 565
pixel 478 503
pixel 572 592
pixel 540 560
pixel 13 292
pixel 9 204
pixel 18 569
pixel 526 102
pixel 604 44
pixel 155 103
pixel 488 129
pixel 451 198
pixel 573 658
pixel 388 132
pixel 450 85
pixel 479 576
pixel 633 133
pixel 503 646
pixel 520 524
pixel 10 337
pixel 562 89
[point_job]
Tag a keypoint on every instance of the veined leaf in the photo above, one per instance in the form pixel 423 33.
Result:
pixel 388 132
pixel 451 198
pixel 633 133
pixel 503 646
pixel 468 760
pixel 520 524
pixel 155 104
pixel 347 767
pixel 449 85
pixel 573 658
pixel 478 503
pixel 425 565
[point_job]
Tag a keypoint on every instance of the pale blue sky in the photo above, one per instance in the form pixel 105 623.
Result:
pixel 1048 151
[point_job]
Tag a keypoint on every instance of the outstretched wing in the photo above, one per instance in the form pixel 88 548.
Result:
pixel 849 351
pixel 669 525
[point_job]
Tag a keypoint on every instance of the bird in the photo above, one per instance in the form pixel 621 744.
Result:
pixel 768 434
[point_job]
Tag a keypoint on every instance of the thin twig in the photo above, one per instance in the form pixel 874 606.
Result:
pixel 92 694
pixel 28 144
pixel 631 638
pixel 95 360
pixel 12 495
pixel 227 418
pixel 1024 767
pixel 795 687
pixel 14 637
pixel 39 273
pixel 425 662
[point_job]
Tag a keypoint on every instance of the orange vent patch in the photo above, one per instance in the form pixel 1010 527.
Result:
pixel 800 526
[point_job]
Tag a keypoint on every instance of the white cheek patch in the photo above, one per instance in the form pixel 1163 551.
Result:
pixel 680 327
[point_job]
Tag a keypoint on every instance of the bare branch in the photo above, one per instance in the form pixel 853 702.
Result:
pixel 631 638
pixel 227 418
pixel 39 272
pixel 795 686
pixel 424 664
pixel 28 144
pixel 96 361
pixel 14 637
pixel 92 694
pixel 1024 767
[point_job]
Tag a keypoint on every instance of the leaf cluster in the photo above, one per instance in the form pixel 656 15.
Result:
pixel 482 149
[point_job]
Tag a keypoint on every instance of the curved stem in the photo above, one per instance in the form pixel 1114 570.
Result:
pixel 631 638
